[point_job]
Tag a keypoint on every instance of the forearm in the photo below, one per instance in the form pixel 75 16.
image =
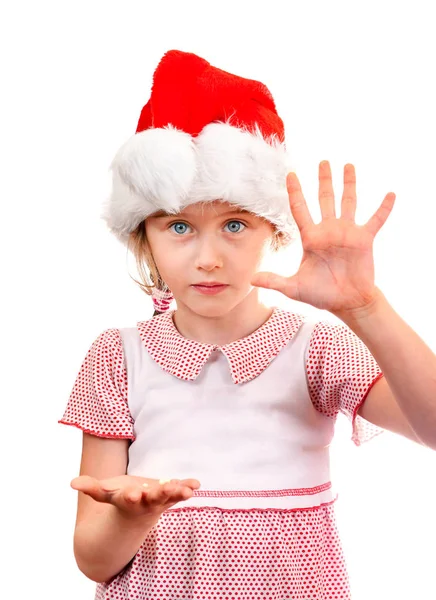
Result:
pixel 104 545
pixel 408 364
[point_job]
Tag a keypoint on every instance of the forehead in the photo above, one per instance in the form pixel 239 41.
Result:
pixel 215 208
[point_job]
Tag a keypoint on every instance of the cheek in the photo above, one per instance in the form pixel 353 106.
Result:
pixel 245 263
pixel 166 262
pixel 172 265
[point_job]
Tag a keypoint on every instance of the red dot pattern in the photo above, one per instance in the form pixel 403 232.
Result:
pixel 214 553
pixel 247 357
pixel 217 554
pixel 98 400
pixel 340 372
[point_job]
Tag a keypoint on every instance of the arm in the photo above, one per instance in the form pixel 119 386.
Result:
pixel 408 365
pixel 105 539
pixel 106 542
pixel 381 409
pixel 115 510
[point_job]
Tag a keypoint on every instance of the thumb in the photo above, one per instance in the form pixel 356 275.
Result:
pixel 286 285
pixel 90 486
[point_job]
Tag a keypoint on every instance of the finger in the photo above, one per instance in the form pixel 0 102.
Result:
pixel 132 494
pixel 92 487
pixel 171 491
pixel 269 281
pixel 326 194
pixel 186 493
pixel 174 492
pixel 348 206
pixel 192 483
pixel 272 281
pixel 136 493
pixel 298 205
pixel 379 218
pixel 179 490
pixel 160 493
pixel 169 487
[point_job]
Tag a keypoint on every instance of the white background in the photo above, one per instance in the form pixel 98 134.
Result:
pixel 354 82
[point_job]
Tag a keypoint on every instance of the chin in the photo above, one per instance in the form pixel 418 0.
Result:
pixel 204 307
pixel 211 311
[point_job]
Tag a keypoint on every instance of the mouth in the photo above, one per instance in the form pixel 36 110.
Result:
pixel 210 288
pixel 208 283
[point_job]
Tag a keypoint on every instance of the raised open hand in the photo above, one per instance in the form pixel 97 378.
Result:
pixel 337 269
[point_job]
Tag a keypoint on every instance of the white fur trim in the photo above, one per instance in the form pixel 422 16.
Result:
pixel 167 169
pixel 154 170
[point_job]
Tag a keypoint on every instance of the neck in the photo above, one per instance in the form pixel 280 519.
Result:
pixel 241 321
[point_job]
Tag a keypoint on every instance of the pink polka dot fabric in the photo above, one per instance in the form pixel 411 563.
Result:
pixel 216 553
pixel 98 400
pixel 341 371
pixel 247 357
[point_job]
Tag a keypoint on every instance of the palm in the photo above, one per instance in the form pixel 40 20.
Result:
pixel 337 267
pixel 336 272
pixel 127 492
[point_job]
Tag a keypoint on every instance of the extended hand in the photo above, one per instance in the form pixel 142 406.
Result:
pixel 128 493
pixel 337 269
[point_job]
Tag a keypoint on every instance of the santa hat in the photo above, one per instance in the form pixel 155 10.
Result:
pixel 204 135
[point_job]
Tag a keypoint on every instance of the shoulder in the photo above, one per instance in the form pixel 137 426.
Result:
pixel 325 331
pixel 316 331
pixel 335 347
pixel 109 339
pixel 107 347
pixel 288 319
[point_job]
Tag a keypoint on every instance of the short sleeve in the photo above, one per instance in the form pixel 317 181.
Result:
pixel 340 372
pixel 98 401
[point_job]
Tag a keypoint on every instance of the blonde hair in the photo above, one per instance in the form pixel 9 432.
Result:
pixel 147 268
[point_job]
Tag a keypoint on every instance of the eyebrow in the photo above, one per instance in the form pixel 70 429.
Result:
pixel 162 214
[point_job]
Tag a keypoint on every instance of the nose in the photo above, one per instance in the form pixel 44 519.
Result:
pixel 208 256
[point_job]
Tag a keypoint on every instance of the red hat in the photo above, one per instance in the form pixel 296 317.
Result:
pixel 204 135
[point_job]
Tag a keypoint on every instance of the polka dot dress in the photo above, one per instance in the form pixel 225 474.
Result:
pixel 215 553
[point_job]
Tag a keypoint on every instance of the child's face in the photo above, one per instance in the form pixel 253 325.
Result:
pixel 213 242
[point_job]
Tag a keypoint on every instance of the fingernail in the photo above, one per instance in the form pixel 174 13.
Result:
pixel 162 481
pixel 145 484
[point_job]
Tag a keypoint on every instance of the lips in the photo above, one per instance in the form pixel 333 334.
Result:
pixel 205 284
pixel 210 288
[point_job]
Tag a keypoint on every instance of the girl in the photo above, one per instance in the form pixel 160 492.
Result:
pixel 206 429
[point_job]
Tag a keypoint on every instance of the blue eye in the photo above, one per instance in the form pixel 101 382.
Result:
pixel 239 223
pixel 179 224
